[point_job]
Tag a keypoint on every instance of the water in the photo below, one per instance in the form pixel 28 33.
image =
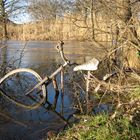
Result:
pixel 41 53
pixel 42 57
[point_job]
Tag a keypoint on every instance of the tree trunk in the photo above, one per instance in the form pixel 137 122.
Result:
pixel 5 28
pixel 4 20
pixel 92 20
pixel 129 51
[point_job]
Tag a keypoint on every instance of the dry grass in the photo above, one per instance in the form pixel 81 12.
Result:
pixel 47 30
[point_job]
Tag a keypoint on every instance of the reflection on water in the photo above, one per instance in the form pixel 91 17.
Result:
pixel 43 58
pixel 42 52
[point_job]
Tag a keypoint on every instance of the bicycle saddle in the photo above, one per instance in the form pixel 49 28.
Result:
pixel 89 66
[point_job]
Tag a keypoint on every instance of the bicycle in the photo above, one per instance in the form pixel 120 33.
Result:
pixel 40 87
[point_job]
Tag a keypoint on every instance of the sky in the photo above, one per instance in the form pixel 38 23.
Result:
pixel 21 16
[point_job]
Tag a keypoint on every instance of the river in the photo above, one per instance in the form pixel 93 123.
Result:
pixel 41 56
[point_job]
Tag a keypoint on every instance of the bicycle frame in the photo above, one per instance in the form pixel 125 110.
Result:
pixel 48 80
pixel 43 83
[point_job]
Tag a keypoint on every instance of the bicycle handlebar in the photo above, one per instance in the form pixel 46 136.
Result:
pixel 59 48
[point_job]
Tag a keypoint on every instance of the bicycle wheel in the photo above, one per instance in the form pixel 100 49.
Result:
pixel 16 83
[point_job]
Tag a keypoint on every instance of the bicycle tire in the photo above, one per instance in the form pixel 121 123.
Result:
pixel 20 70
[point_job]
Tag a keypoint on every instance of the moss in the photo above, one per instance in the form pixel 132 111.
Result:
pixel 101 128
pixel 136 93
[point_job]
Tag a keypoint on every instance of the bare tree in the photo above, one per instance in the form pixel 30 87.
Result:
pixel 46 9
pixel 7 9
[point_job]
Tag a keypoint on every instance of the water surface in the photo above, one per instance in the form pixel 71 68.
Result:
pixel 42 57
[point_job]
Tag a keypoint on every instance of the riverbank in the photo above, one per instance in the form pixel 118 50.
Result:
pixel 121 123
pixel 47 30
pixel 101 127
pixel 121 91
